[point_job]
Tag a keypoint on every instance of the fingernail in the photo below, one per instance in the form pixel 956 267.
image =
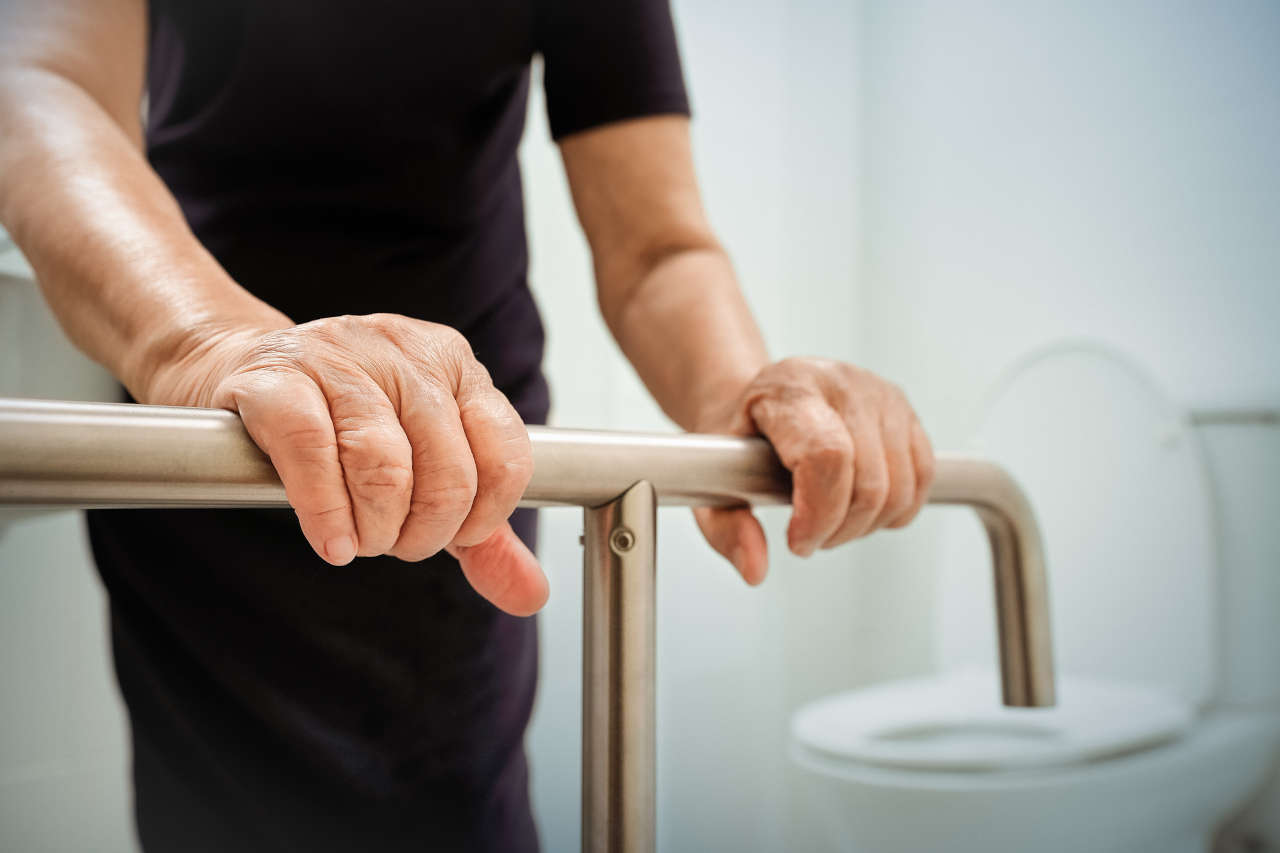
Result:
pixel 340 550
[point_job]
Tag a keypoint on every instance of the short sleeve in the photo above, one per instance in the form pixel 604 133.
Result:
pixel 608 60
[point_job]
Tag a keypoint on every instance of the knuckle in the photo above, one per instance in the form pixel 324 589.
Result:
pixel 382 321
pixel 512 475
pixel 797 449
pixel 365 336
pixel 455 343
pixel 521 466
pixel 905 519
pixel 780 400
pixel 433 399
pixel 412 549
pixel 393 330
pixel 270 364
pixel 843 535
pixel 478 376
pixel 786 365
pixel 829 454
pixel 444 355
pixel 897 502
pixel 339 327
pixel 846 372
pixel 477 394
pixel 320 513
pixel 441 507
pixel 357 411
pixel 871 493
pixel 780 376
pixel 329 512
pixel 446 494
pixel 385 477
pixel 307 433
pixel 838 369
pixel 370 464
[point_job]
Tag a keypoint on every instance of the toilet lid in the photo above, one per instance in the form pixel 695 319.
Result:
pixel 1114 473
pixel 956 722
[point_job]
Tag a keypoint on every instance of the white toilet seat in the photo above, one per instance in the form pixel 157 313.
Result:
pixel 955 722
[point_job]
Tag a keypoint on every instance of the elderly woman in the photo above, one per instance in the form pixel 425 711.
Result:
pixel 318 224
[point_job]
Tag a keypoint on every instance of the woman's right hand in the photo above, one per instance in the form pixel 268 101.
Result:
pixel 389 436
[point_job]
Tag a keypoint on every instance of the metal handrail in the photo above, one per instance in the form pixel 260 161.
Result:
pixel 111 454
pixel 115 455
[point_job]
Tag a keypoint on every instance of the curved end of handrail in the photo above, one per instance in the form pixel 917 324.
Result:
pixel 1020 574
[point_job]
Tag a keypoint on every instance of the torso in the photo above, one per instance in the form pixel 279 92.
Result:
pixel 336 157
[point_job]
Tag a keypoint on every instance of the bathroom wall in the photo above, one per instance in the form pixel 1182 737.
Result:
pixel 1071 169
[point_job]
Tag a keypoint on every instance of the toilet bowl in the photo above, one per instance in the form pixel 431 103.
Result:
pixel 1165 797
pixel 1147 750
pixel 950 723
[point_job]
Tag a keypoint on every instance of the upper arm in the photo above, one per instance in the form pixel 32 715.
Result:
pixel 98 45
pixel 637 198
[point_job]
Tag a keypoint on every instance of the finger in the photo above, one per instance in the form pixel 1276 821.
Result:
pixel 503 457
pixel 814 444
pixel 738 537
pixel 895 432
pixel 376 457
pixel 925 465
pixel 287 415
pixel 444 473
pixel 505 572
pixel 870 480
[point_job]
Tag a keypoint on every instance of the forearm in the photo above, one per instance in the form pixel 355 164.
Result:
pixel 121 270
pixel 665 287
pixel 686 328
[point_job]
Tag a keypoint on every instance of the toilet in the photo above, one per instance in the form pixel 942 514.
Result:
pixel 1162 539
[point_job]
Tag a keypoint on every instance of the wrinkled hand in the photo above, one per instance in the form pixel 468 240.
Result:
pixel 389 437
pixel 859 459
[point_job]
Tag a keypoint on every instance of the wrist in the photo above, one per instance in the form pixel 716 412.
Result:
pixel 719 406
pixel 183 364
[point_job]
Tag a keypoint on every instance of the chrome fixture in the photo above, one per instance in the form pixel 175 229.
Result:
pixel 108 455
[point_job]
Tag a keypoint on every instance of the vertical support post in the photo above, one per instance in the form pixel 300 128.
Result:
pixel 618 647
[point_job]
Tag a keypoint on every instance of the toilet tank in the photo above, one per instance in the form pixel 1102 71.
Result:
pixel 1117 479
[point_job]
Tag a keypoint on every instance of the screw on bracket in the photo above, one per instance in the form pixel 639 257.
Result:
pixel 622 540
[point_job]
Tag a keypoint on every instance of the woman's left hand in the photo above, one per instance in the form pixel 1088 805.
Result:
pixel 859 459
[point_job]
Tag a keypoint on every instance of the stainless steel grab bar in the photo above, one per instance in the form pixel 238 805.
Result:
pixel 112 455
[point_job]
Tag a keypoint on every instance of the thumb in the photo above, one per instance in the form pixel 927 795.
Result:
pixel 504 571
pixel 739 538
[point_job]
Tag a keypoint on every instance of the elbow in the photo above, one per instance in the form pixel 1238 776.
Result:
pixel 625 275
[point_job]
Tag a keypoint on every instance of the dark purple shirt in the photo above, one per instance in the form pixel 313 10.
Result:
pixel 352 157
